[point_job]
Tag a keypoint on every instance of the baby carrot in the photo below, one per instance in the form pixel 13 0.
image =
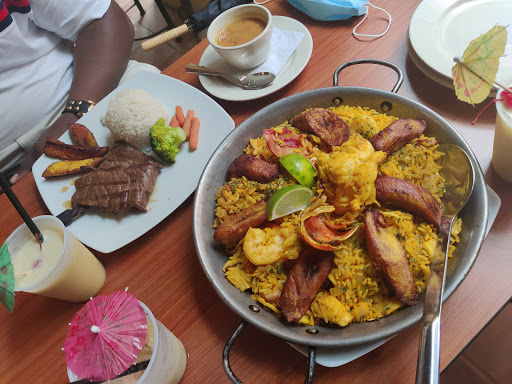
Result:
pixel 179 115
pixel 194 133
pixel 174 122
pixel 188 122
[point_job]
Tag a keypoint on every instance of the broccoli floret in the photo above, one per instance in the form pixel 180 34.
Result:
pixel 165 140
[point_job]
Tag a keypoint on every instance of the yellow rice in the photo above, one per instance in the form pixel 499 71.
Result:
pixel 355 291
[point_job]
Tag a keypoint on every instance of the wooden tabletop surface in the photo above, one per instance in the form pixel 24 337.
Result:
pixel 162 270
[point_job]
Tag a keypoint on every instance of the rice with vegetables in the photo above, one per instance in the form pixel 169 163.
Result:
pixel 355 290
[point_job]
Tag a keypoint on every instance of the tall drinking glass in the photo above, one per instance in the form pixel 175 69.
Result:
pixel 502 150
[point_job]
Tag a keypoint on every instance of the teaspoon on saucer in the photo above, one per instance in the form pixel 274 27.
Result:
pixel 255 81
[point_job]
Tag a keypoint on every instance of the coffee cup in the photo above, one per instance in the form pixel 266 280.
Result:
pixel 241 35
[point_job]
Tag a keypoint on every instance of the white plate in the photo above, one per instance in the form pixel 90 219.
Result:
pixel 107 233
pixel 340 356
pixel 430 73
pixel 442 29
pixel 293 67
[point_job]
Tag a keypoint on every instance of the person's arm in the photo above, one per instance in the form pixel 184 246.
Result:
pixel 101 54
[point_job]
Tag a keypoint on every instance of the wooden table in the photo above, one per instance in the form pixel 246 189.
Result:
pixel 163 271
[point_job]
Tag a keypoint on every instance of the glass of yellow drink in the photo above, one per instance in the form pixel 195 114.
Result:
pixel 502 155
pixel 62 267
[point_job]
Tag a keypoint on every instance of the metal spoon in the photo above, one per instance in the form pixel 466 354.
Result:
pixel 459 175
pixel 255 81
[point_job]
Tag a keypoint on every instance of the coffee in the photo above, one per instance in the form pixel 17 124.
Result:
pixel 240 32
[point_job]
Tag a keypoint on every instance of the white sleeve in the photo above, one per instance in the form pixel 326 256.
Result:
pixel 67 18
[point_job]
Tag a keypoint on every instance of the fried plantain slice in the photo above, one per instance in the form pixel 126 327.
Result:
pixel 389 257
pixel 254 169
pixel 408 196
pixel 69 167
pixel 398 134
pixel 235 227
pixel 303 282
pixel 327 125
pixel 57 149
pixel 82 136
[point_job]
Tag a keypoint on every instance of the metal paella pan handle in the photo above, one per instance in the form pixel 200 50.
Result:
pixel 236 380
pixel 370 61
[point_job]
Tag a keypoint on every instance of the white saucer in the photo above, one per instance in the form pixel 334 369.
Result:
pixel 442 29
pixel 224 90
pixel 337 357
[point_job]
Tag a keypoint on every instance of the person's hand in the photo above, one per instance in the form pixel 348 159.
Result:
pixel 55 130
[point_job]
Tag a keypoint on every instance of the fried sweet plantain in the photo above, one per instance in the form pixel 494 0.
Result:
pixel 398 134
pixel 389 257
pixel 69 167
pixel 305 279
pixel 408 196
pixel 82 136
pixel 254 169
pixel 327 125
pixel 57 149
pixel 235 227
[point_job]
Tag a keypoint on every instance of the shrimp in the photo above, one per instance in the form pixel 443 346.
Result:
pixel 262 247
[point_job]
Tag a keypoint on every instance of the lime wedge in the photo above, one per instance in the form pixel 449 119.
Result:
pixel 300 168
pixel 288 200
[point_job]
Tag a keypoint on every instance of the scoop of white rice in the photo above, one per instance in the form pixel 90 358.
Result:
pixel 130 115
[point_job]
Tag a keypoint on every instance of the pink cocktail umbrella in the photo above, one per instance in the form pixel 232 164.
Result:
pixel 105 336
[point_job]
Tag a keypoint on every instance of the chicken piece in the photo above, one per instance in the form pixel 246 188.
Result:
pixel 331 310
pixel 254 169
pixel 58 149
pixel 305 279
pixel 389 257
pixel 327 125
pixel 235 227
pixel 69 167
pixel 398 134
pixel 408 196
pixel 82 136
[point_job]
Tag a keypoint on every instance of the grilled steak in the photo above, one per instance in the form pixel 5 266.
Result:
pixel 124 180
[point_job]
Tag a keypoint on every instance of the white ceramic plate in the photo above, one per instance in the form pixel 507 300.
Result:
pixel 430 73
pixel 442 29
pixel 107 233
pixel 336 357
pixel 293 67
